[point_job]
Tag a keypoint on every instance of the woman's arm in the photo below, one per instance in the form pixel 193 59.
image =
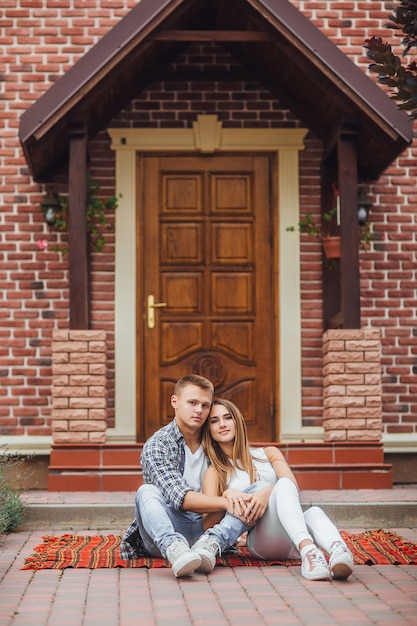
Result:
pixel 209 488
pixel 256 507
pixel 280 465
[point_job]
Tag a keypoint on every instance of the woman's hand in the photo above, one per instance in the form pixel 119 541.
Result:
pixel 248 507
pixel 238 501
pixel 256 506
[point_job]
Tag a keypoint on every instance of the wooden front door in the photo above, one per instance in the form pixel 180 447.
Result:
pixel 206 233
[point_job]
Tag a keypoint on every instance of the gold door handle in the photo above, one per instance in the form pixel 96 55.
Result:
pixel 152 305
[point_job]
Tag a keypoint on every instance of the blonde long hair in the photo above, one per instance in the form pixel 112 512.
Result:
pixel 241 457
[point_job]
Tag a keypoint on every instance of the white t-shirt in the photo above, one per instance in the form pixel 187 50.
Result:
pixel 264 471
pixel 195 467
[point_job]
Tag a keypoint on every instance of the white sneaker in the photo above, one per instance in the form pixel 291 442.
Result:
pixel 183 561
pixel 313 564
pixel 208 549
pixel 341 561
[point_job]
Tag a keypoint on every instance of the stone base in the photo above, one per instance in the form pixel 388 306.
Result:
pixel 352 388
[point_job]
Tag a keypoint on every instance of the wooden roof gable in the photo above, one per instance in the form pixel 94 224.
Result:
pixel 270 38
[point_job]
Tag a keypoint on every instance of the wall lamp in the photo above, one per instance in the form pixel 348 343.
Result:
pixel 364 206
pixel 50 208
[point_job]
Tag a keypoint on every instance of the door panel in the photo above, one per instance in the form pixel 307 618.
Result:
pixel 205 233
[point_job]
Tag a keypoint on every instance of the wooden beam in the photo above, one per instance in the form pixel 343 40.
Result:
pixel 331 268
pixel 213 75
pixel 212 35
pixel 349 262
pixel 77 235
pixel 330 143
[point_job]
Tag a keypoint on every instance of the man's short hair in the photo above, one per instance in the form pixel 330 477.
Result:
pixel 193 379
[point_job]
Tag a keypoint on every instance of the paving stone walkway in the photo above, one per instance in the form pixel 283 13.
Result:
pixel 383 595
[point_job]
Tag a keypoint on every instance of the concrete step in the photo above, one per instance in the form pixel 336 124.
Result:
pixel 363 508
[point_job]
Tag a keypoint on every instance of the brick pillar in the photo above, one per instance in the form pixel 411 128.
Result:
pixel 79 386
pixel 352 385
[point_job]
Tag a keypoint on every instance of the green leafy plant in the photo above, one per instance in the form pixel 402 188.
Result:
pixel 11 505
pixel 326 228
pixel 96 216
pixel 365 236
pixel 389 67
pixel 313 228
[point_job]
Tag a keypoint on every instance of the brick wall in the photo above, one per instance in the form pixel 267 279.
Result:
pixel 43 38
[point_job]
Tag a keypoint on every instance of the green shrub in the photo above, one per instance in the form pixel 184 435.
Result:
pixel 11 505
pixel 11 509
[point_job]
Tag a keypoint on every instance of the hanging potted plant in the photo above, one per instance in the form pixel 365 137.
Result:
pixel 324 232
pixel 331 243
pixel 332 246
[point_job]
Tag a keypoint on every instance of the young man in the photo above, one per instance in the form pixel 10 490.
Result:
pixel 169 505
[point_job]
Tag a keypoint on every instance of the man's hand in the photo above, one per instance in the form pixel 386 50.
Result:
pixel 238 503
pixel 255 507
pixel 248 507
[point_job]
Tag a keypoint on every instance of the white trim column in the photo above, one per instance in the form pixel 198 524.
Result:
pixel 125 299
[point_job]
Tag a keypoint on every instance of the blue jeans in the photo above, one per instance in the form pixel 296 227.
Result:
pixel 160 524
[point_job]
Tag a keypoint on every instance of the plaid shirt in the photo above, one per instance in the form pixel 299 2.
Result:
pixel 163 461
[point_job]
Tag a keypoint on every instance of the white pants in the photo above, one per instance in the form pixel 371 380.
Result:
pixel 284 526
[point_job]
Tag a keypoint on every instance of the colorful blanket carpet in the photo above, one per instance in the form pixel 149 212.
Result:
pixel 371 547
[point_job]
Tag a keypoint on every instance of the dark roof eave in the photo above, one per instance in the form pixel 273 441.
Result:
pixel 341 68
pixel 73 91
pixel 88 66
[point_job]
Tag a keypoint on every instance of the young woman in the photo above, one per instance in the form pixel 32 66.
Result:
pixel 263 492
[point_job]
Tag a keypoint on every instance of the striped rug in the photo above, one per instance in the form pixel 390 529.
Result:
pixel 371 547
